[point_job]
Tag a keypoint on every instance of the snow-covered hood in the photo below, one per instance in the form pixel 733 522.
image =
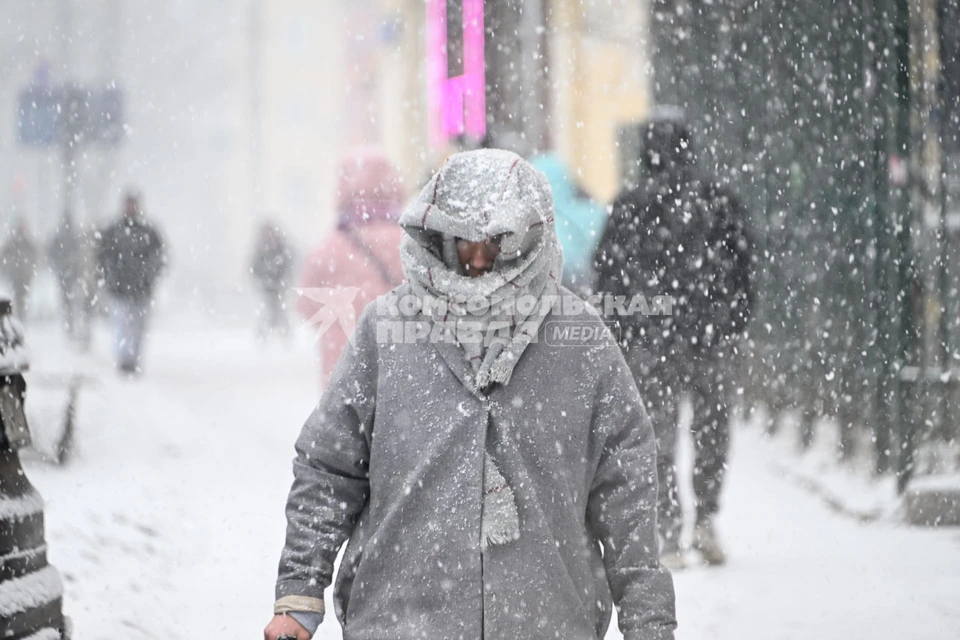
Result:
pixel 369 189
pixel 477 196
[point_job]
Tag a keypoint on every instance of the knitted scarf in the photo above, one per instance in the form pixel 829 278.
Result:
pixel 478 196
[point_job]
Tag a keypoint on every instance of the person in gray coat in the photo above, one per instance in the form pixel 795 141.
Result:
pixel 491 476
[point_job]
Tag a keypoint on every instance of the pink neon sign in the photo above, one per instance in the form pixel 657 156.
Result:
pixel 457 105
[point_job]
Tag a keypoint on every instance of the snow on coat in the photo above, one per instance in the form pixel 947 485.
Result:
pixel 488 194
pixel 392 458
pixel 131 257
pixel 680 234
pixel 479 196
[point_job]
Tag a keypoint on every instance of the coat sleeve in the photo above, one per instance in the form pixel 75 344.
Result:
pixel 330 481
pixel 622 509
pixel 611 253
pixel 159 256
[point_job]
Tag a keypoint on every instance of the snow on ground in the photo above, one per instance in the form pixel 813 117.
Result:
pixel 849 486
pixel 168 521
pixel 799 570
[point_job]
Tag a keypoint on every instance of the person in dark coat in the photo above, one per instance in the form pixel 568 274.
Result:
pixel 18 261
pixel 681 234
pixel 63 254
pixel 130 259
pixel 271 267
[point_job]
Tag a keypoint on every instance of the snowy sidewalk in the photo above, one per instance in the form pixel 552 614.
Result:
pixel 169 521
pixel 799 570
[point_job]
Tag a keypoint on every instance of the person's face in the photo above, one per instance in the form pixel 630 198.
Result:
pixel 477 258
pixel 131 207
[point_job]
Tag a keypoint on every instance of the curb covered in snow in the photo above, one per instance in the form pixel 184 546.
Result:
pixel 848 487
pixel 934 501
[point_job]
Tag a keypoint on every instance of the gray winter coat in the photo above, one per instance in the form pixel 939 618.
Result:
pixel 392 458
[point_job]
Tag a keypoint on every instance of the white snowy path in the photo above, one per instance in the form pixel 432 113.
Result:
pixel 169 521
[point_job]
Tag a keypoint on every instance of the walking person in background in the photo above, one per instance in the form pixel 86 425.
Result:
pixel 271 267
pixel 63 254
pixel 362 254
pixel 580 223
pixel 494 485
pixel 681 234
pixel 86 287
pixel 130 259
pixel 18 259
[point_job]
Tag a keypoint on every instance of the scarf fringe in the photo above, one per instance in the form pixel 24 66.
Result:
pixel 476 196
pixel 500 520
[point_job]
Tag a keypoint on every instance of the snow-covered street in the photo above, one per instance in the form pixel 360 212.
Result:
pixel 759 203
pixel 168 522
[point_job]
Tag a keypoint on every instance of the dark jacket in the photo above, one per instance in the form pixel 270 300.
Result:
pixel 682 234
pixel 18 258
pixel 272 263
pixel 63 252
pixel 130 258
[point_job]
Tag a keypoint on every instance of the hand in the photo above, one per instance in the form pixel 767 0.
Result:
pixel 283 625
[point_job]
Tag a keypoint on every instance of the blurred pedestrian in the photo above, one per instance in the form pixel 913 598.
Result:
pixel 18 259
pixel 271 266
pixel 63 254
pixel 681 234
pixel 496 486
pixel 364 250
pixel 86 289
pixel 130 259
pixel 580 223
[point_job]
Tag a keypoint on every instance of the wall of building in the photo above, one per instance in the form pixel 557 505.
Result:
pixel 402 97
pixel 303 80
pixel 181 66
pixel 600 76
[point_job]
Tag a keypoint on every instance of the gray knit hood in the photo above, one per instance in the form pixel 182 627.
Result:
pixel 476 196
pixel 479 195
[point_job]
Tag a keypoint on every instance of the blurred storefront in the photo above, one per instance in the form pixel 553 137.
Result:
pixel 560 75
pixel 299 90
